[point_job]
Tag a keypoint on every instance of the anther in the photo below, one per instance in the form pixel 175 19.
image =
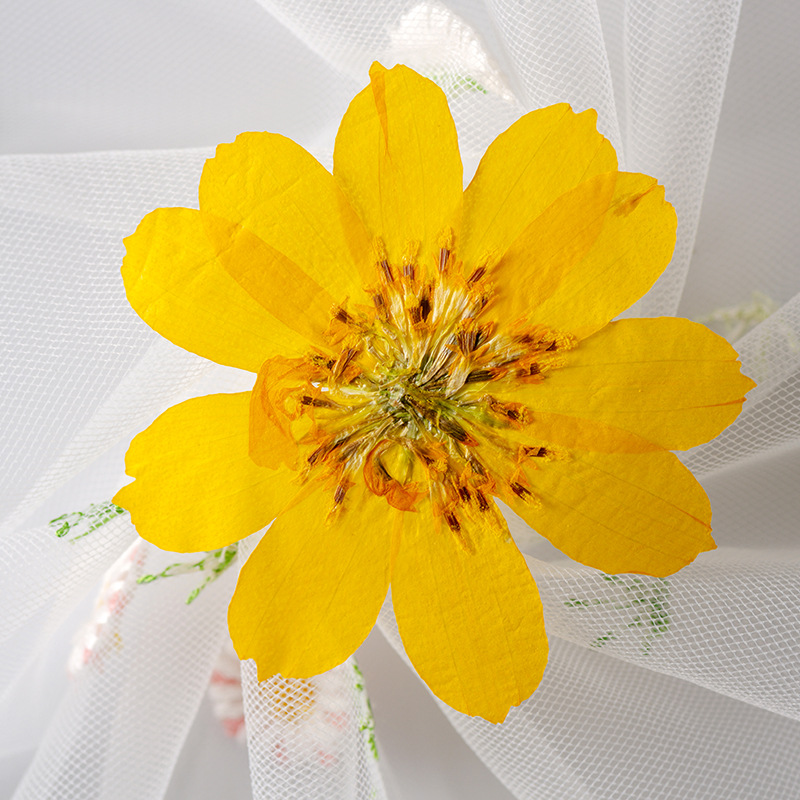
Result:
pixel 321 361
pixel 320 451
pixel 452 521
pixel 317 402
pixel 476 275
pixel 339 494
pixel 478 375
pixel 444 257
pixel 425 303
pixel 464 493
pixel 483 503
pixel 535 452
pixel 342 315
pixel 453 429
pixel 529 371
pixel 519 490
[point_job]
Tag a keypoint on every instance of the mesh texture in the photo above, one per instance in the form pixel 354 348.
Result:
pixel 679 687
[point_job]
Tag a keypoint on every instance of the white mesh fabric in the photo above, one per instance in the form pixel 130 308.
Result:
pixel 680 689
pixel 120 727
pixel 315 733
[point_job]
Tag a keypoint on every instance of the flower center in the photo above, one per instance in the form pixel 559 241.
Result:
pixel 418 398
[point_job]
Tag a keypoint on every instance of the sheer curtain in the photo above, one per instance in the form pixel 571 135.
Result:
pixel 111 687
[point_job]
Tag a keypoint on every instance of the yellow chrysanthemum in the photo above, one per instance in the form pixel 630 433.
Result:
pixel 420 350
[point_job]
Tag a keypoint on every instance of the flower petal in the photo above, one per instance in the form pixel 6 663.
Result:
pixel 642 513
pixel 470 619
pixel 589 256
pixel 397 159
pixel 669 380
pixel 176 283
pixel 196 487
pixel 266 275
pixel 271 186
pixel 311 591
pixel 541 156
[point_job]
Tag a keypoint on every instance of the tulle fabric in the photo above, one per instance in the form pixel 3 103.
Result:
pixel 685 686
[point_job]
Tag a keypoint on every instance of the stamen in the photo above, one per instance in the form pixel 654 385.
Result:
pixel 322 362
pixel 425 303
pixel 519 490
pixel 535 452
pixel 445 245
pixel 342 315
pixel 476 275
pixel 343 361
pixel 407 380
pixel 452 428
pixel 529 371
pixel 409 261
pixel 452 521
pixel 317 402
pixel 479 375
pixel 338 495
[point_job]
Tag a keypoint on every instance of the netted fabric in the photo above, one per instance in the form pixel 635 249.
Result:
pixel 139 675
pixel 659 688
pixel 315 733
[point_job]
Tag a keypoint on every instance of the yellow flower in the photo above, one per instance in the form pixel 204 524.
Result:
pixel 421 350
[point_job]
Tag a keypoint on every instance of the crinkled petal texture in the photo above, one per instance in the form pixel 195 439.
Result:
pixel 620 512
pixel 273 188
pixel 396 158
pixel 588 256
pixel 469 613
pixel 541 157
pixel 671 381
pixel 196 486
pixel 311 591
pixel 178 284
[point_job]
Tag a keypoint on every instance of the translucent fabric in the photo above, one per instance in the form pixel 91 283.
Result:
pixel 112 685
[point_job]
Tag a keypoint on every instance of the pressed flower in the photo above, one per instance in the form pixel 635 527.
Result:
pixel 422 350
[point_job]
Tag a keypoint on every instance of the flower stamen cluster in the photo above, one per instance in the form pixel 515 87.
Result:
pixel 405 395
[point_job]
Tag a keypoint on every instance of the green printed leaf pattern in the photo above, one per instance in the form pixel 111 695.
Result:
pixel 214 563
pixel 367 723
pixel 82 523
pixel 647 601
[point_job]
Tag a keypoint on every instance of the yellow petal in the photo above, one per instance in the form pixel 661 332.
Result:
pixel 546 429
pixel 642 513
pixel 196 487
pixel 176 283
pixel 271 186
pixel 589 256
pixel 311 591
pixel 274 427
pixel 540 157
pixel 277 284
pixel 470 619
pixel 397 160
pixel 669 380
